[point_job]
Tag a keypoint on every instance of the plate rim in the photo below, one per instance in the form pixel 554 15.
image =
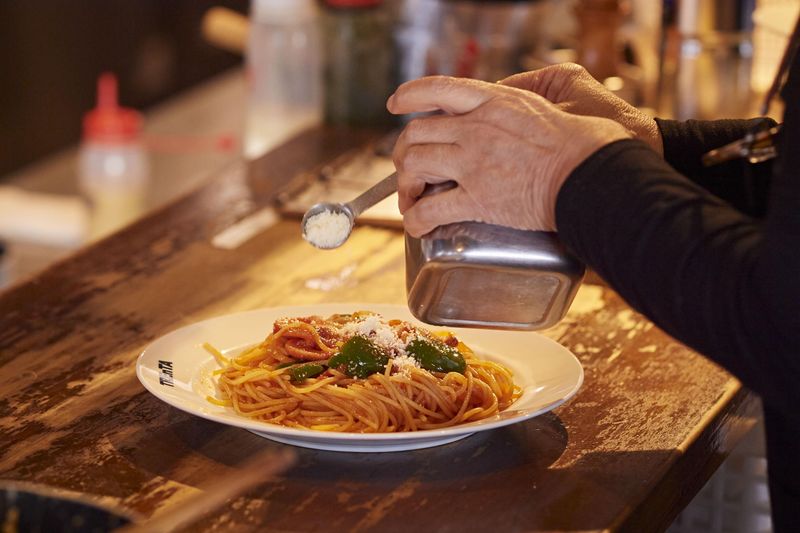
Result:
pixel 357 439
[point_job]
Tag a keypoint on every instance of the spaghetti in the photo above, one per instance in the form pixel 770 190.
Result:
pixel 362 373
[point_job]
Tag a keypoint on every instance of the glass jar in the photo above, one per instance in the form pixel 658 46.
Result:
pixel 283 65
pixel 358 72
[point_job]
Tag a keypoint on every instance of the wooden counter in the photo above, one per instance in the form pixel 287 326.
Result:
pixel 651 423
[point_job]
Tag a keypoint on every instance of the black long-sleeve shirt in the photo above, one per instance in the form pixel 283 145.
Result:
pixel 712 256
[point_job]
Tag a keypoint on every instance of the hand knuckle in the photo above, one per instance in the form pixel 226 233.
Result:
pixel 402 141
pixel 573 68
pixel 414 158
pixel 578 73
pixel 502 109
pixel 397 159
pixel 413 130
pixel 404 180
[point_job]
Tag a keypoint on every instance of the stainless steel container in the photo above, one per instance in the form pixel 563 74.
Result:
pixel 480 275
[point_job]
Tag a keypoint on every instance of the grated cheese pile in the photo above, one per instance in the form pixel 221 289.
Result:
pixel 376 329
pixel 327 229
pixel 402 363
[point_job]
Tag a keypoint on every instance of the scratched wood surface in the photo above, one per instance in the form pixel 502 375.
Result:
pixel 650 424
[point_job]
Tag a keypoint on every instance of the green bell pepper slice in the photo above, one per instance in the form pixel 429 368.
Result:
pixel 436 356
pixel 359 357
pixel 305 371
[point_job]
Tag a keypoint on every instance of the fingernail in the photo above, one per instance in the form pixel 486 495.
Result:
pixel 390 102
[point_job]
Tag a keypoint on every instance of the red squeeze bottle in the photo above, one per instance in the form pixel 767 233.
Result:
pixel 113 169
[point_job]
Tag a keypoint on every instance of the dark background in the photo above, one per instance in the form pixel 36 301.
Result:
pixel 51 52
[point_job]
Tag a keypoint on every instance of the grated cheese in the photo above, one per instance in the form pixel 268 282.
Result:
pixel 327 229
pixel 378 330
pixel 402 364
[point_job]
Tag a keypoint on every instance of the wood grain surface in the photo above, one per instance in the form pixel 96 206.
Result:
pixel 651 423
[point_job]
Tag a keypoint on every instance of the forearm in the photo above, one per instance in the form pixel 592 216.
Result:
pixel 697 267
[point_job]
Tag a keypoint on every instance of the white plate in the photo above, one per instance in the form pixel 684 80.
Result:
pixel 177 370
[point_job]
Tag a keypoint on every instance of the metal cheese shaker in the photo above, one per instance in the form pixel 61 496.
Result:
pixel 472 274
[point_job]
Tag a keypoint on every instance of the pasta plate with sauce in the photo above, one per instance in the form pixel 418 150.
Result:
pixel 361 372
pixel 178 369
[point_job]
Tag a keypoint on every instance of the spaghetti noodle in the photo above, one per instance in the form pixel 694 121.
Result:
pixel 362 373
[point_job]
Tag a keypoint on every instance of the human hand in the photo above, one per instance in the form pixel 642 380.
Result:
pixel 574 90
pixel 508 150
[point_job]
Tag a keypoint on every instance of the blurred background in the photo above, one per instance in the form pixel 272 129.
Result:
pixel 669 53
pixel 52 52
pixel 112 108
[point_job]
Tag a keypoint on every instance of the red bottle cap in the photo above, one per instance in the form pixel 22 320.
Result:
pixel 108 122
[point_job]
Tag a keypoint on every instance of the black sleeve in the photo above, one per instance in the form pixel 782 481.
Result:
pixel 739 183
pixel 724 283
